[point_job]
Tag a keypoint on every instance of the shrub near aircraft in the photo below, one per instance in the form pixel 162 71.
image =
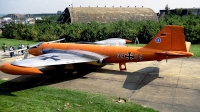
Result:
pixel 167 44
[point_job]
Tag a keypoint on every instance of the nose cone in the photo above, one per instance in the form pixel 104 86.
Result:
pixel 128 41
pixel 1 67
pixel 34 51
pixel 17 70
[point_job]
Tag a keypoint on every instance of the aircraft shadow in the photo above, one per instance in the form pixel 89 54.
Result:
pixel 147 75
pixel 55 74
pixel 52 75
pixel 135 80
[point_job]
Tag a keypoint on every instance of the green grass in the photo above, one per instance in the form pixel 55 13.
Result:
pixel 15 42
pixel 48 99
pixel 196 50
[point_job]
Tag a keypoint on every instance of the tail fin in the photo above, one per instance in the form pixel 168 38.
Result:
pixel 169 38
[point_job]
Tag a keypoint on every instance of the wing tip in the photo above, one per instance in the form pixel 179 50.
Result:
pixel 17 70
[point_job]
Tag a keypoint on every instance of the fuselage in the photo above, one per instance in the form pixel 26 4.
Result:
pixel 116 54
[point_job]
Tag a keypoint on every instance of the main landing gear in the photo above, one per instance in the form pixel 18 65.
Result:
pixel 70 69
pixel 122 66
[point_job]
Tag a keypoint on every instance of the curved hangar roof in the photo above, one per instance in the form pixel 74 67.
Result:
pixel 105 14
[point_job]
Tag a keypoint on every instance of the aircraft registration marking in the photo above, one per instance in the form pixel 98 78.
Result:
pixel 130 56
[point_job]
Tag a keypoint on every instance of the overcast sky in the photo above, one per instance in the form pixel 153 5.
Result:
pixel 52 6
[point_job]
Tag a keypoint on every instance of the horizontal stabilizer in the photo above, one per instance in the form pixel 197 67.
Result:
pixel 169 53
pixel 175 53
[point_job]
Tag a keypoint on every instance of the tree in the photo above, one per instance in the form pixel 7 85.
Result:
pixel 167 9
pixel 179 11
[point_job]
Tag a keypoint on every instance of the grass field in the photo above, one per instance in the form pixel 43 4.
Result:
pixel 196 50
pixel 15 42
pixel 48 99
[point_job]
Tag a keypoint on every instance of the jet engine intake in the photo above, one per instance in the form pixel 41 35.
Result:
pixel 101 61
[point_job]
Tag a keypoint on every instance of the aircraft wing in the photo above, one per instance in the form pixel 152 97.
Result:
pixel 59 58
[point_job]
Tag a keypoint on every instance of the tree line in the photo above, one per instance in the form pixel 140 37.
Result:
pixel 45 30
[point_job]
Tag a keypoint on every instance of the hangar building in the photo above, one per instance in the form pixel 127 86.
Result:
pixel 15 16
pixel 105 14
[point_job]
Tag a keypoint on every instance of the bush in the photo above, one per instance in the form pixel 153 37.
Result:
pixel 44 30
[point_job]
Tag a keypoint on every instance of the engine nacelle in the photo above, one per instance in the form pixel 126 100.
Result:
pixel 101 61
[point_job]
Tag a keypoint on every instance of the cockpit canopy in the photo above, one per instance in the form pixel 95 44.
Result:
pixel 37 45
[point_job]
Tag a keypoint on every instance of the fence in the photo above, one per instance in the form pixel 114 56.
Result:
pixel 16 53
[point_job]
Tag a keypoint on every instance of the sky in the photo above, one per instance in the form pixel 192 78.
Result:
pixel 52 6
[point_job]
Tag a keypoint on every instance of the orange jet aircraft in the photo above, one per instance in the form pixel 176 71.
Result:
pixel 168 43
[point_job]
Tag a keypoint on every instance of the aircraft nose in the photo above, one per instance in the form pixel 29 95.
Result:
pixel 30 51
pixel 34 51
pixel 128 41
pixel 1 67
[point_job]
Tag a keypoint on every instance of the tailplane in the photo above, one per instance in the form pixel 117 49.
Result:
pixel 169 38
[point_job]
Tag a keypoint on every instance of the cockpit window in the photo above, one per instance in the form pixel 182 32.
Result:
pixel 37 45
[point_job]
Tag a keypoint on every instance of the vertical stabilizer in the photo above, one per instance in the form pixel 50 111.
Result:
pixel 169 38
